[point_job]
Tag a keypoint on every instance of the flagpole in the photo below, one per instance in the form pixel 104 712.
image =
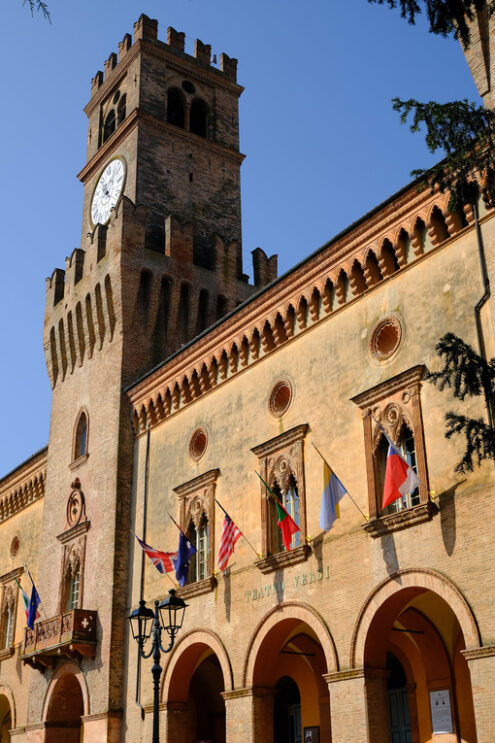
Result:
pixel 258 554
pixel 366 518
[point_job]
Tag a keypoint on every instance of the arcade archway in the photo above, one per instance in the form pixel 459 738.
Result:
pixel 5 719
pixel 197 675
pixel 288 657
pixel 64 707
pixel 417 681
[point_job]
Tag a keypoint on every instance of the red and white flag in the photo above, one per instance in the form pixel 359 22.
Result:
pixel 164 562
pixel 230 535
pixel 400 478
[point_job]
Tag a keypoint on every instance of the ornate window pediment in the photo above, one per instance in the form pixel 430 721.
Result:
pixel 73 539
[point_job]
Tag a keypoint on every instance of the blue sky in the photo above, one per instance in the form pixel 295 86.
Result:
pixel 323 145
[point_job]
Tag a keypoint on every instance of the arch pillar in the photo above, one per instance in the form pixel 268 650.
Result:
pixel 359 703
pixel 481 664
pixel 249 715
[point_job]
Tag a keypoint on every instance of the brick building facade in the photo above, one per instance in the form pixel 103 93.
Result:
pixel 174 380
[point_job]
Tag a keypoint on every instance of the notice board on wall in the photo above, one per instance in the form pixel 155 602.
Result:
pixel 441 713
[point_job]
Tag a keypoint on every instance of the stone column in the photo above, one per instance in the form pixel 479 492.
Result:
pixel 249 715
pixel 481 662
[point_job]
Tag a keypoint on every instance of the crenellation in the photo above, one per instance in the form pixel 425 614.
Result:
pixel 176 39
pixel 202 52
pixel 228 65
pixel 109 64
pixel 145 28
pixel 264 268
pixel 96 82
pixel 55 287
pixel 74 268
pixel 124 46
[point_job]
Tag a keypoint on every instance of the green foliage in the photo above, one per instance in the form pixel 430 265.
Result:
pixel 445 17
pixel 468 375
pixel 465 133
pixel 39 6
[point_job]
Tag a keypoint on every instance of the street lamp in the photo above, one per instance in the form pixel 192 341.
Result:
pixel 168 617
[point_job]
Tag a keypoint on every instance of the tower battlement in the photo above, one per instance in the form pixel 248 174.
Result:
pixel 146 29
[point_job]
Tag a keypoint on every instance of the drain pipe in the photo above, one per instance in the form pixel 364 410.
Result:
pixel 477 313
pixel 141 584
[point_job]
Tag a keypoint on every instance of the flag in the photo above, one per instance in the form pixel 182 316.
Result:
pixel 25 598
pixel 163 561
pixel 184 554
pixel 333 492
pixel 286 523
pixel 34 602
pixel 400 478
pixel 230 535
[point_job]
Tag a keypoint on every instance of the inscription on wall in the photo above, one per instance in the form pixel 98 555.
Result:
pixel 275 588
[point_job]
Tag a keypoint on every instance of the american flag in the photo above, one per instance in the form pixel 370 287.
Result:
pixel 230 535
pixel 164 562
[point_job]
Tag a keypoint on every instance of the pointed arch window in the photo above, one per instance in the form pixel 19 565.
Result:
pixel 197 520
pixel 281 465
pixel 81 432
pixel 8 612
pixel 175 107
pixel 109 125
pixel 199 118
pixel 396 406
pixel 72 583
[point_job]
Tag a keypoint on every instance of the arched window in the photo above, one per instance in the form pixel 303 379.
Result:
pixel 109 125
pixel 81 437
pixel 199 118
pixel 198 568
pixel 290 501
pixel 121 110
pixel 7 626
pixel 71 588
pixel 175 107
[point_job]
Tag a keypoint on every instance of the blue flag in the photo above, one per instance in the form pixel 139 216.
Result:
pixel 184 554
pixel 34 602
pixel 333 492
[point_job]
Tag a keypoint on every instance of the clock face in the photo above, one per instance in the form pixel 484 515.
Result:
pixel 107 191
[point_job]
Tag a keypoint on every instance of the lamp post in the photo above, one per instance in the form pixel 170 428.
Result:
pixel 167 617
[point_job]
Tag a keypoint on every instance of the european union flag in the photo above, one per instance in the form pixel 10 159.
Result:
pixel 34 602
pixel 184 554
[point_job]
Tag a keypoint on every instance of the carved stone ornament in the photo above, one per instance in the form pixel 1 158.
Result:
pixel 76 506
pixel 72 560
pixel 198 508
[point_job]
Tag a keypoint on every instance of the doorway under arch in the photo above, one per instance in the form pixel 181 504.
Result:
pixel 424 685
pixel 194 682
pixel 5 719
pixel 65 709
pixel 287 657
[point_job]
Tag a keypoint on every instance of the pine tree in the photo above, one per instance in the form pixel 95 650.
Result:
pixel 465 133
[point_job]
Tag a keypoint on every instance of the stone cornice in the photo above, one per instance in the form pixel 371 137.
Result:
pixel 291 305
pixel 122 131
pixel 281 441
pixel 410 378
pixel 207 478
pixel 23 486
pixel 16 573
pixel 486 651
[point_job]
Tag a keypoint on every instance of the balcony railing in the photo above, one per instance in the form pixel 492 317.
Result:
pixel 72 633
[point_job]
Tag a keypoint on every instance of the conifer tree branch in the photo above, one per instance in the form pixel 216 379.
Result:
pixel 445 17
pixel 40 6
pixel 479 438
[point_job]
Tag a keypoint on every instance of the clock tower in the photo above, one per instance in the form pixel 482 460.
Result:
pixel 160 261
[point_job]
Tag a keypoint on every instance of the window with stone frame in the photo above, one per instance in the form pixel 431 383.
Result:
pixel 197 521
pixel 395 407
pixel 8 611
pixel 73 539
pixel 281 465
pixel 80 438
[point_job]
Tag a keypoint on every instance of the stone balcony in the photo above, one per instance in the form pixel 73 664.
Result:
pixel 72 634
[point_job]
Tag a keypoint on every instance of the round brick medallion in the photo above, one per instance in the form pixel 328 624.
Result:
pixel 386 338
pixel 198 444
pixel 280 398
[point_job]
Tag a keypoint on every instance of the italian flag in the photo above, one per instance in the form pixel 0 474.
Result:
pixel 286 523
pixel 25 598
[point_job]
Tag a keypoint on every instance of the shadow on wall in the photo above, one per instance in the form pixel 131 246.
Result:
pixel 446 503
